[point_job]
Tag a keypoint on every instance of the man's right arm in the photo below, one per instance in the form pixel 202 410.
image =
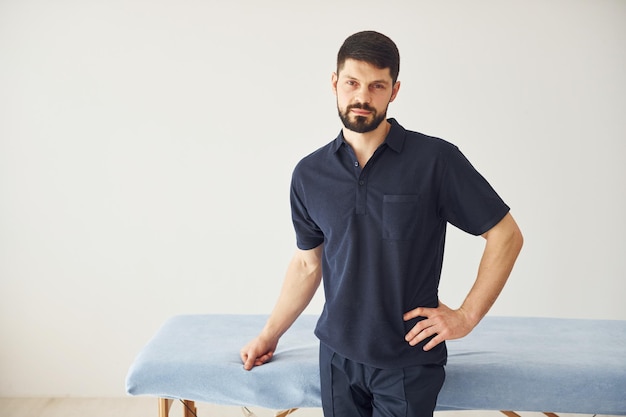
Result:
pixel 302 280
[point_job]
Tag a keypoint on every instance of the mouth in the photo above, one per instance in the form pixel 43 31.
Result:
pixel 360 112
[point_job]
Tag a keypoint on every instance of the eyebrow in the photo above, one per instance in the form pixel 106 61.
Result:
pixel 382 81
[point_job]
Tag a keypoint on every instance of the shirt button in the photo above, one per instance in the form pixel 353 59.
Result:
pixel 361 182
pixel 356 163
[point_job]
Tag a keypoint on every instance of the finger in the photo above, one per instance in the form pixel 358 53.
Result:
pixel 419 312
pixel 264 359
pixel 253 360
pixel 249 361
pixel 433 342
pixel 420 336
pixel 412 334
pixel 414 313
pixel 249 364
pixel 419 327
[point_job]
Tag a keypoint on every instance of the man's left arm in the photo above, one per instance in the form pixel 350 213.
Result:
pixel 503 244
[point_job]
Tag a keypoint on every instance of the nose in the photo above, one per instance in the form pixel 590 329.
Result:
pixel 362 95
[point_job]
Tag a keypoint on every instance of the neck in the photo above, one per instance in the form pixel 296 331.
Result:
pixel 365 144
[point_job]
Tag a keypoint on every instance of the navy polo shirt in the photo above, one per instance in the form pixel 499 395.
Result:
pixel 383 227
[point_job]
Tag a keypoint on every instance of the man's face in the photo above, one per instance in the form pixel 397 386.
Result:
pixel 363 94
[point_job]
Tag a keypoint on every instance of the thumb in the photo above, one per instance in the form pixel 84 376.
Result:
pixel 248 357
pixel 249 362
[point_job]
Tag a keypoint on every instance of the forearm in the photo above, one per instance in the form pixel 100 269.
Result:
pixel 302 280
pixel 503 244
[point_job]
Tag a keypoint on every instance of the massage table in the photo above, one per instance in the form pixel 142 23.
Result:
pixel 509 364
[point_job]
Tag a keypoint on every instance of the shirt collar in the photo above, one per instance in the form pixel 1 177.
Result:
pixel 395 138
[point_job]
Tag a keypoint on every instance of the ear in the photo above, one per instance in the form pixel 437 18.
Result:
pixel 394 91
pixel 333 81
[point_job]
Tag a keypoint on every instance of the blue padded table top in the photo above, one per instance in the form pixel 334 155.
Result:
pixel 506 363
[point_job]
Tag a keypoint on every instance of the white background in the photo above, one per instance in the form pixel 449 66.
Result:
pixel 146 149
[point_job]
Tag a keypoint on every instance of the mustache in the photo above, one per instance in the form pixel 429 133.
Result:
pixel 362 106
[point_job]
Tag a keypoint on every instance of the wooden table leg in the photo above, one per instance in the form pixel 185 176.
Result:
pixel 164 407
pixel 514 414
pixel 285 413
pixel 189 409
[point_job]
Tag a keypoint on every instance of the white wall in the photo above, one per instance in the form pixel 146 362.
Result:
pixel 146 149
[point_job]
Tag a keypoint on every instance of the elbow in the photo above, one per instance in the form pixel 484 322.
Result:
pixel 517 239
pixel 514 238
pixel 508 234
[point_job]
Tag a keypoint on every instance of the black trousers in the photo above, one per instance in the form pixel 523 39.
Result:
pixel 351 389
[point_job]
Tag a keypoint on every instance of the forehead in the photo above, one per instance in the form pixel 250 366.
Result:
pixel 363 71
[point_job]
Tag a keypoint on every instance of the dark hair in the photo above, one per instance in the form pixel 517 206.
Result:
pixel 373 48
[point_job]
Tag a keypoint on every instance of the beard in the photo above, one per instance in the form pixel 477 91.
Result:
pixel 360 124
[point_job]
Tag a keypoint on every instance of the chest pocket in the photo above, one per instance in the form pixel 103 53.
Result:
pixel 400 216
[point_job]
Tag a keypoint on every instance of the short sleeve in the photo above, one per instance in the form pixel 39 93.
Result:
pixel 308 234
pixel 467 200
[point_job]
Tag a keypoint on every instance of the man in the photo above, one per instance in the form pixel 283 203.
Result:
pixel 370 211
